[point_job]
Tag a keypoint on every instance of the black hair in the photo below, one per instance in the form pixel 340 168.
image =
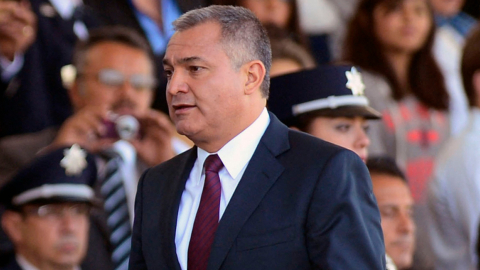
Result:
pixel 385 165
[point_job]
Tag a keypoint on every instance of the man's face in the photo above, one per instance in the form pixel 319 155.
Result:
pixel 53 235
pixel 114 76
pixel 205 93
pixel 395 204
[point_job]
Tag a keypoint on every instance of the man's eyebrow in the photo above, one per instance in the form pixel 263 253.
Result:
pixel 184 60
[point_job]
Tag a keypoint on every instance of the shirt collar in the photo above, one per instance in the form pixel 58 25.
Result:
pixel 236 154
pixel 66 7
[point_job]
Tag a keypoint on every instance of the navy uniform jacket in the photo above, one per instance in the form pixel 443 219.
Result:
pixel 302 203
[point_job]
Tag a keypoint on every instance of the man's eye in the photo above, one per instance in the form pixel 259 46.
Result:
pixel 168 73
pixel 195 68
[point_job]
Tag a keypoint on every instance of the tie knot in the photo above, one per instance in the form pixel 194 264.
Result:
pixel 213 164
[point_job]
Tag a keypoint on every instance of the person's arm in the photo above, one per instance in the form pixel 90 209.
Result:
pixel 17 33
pixel 343 227
pixel 137 261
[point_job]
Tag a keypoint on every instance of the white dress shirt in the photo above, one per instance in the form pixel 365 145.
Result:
pixel 454 200
pixel 235 156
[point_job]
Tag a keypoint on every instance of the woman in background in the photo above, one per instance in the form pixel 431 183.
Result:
pixel 392 41
pixel 327 102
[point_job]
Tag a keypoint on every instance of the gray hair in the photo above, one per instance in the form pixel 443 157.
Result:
pixel 243 37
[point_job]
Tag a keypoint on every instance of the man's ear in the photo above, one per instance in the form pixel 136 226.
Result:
pixel 11 224
pixel 255 75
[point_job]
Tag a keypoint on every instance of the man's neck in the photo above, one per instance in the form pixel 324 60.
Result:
pixel 212 145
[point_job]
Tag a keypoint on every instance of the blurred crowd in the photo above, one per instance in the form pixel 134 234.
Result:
pixel 83 94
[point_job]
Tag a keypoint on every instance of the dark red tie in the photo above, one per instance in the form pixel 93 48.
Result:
pixel 206 221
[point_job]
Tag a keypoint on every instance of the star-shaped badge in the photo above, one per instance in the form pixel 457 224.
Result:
pixel 74 160
pixel 355 82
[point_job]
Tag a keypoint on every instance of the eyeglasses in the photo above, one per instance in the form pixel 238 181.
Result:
pixel 57 210
pixel 114 78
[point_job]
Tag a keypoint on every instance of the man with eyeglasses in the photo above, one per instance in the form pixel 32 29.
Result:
pixel 111 94
pixel 47 211
pixel 113 80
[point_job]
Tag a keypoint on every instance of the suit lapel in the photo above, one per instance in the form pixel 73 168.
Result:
pixel 255 183
pixel 172 204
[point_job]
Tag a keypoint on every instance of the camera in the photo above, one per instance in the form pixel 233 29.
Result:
pixel 125 127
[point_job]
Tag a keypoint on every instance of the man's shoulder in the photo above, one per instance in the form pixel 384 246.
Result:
pixel 313 154
pixel 307 144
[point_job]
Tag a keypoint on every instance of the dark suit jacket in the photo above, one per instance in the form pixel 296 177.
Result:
pixel 12 265
pixel 302 203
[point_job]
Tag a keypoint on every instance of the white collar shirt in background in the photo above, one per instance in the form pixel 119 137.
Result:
pixel 130 169
pixel 235 156
pixel 453 200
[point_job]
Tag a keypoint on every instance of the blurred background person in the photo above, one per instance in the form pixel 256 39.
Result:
pixel 287 55
pixel 326 102
pixel 37 39
pixel 453 26
pixel 47 211
pixel 280 13
pixel 453 197
pixel 113 79
pixel 395 203
pixel 392 41
pixel 114 73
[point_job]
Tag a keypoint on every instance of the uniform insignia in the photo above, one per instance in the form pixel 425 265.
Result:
pixel 74 160
pixel 355 82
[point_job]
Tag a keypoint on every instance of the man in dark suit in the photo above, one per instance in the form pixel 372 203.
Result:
pixel 114 80
pixel 269 197
pixel 47 210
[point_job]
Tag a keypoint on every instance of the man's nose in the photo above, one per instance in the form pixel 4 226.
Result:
pixel 126 88
pixel 176 83
pixel 406 223
pixel 68 221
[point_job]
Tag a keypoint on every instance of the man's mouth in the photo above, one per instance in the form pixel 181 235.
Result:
pixel 182 107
